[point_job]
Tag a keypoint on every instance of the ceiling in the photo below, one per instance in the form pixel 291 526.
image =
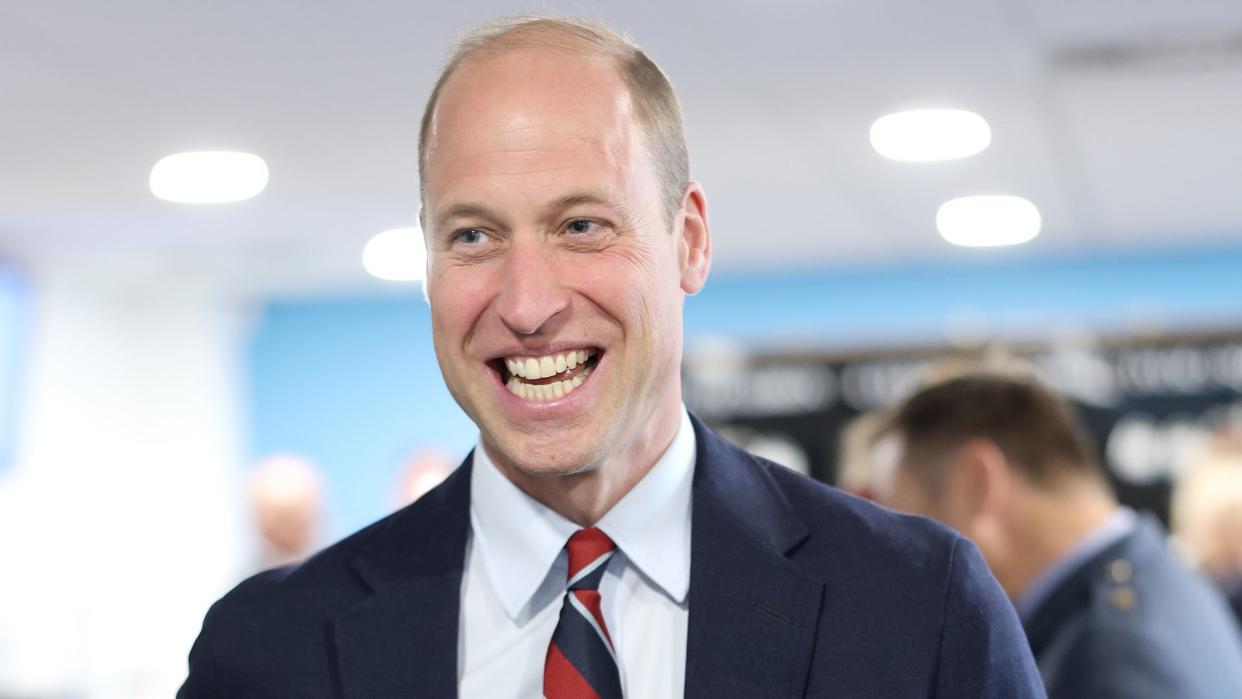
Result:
pixel 1120 119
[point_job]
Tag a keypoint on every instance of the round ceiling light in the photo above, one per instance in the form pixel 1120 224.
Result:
pixel 926 135
pixel 396 255
pixel 208 177
pixel 988 220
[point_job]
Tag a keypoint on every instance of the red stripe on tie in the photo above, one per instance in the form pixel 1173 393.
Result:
pixel 561 680
pixel 590 600
pixel 584 547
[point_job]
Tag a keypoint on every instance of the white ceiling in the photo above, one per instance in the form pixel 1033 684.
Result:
pixel 1120 119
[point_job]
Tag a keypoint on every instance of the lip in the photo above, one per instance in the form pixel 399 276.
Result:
pixel 573 404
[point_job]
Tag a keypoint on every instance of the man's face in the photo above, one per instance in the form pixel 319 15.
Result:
pixel 555 279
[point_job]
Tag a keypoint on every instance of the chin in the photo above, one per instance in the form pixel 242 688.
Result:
pixel 532 455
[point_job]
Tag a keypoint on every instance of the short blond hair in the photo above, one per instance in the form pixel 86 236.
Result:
pixel 655 103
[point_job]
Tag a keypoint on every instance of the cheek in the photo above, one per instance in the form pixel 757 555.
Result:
pixel 458 298
pixel 646 285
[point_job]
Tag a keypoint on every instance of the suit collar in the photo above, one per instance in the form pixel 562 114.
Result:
pixel 1109 532
pixel 733 479
pixel 753 612
pixel 402 639
pixel 1075 593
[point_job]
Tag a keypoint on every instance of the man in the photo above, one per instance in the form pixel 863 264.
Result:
pixel 286 502
pixel 599 541
pixel 1108 611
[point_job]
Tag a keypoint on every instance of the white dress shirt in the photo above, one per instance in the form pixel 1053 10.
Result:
pixel 514 580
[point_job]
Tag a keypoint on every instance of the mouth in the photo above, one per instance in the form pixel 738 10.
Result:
pixel 547 377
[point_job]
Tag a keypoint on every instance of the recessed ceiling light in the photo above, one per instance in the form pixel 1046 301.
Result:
pixel 208 177
pixel 396 255
pixel 925 135
pixel 988 220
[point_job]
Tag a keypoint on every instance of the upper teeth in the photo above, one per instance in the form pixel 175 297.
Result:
pixel 550 365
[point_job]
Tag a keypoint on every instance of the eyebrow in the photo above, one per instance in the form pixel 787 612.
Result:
pixel 576 199
pixel 465 210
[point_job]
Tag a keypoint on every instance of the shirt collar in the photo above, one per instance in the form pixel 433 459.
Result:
pixel 520 539
pixel 1110 531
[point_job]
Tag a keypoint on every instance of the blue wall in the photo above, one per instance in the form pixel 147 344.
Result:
pixel 911 303
pixel 353 383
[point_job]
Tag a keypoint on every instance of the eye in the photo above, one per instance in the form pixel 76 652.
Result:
pixel 469 236
pixel 580 226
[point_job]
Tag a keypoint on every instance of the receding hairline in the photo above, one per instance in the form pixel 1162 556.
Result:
pixel 571 37
pixel 469 67
pixel 652 98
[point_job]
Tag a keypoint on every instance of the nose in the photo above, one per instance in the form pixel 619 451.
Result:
pixel 531 296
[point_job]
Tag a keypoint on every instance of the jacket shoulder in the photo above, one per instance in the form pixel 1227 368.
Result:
pixel 1151 627
pixel 855 531
pixel 888 565
pixel 279 619
pixel 904 591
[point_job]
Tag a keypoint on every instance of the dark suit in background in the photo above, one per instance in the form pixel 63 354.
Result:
pixel 795 589
pixel 1134 622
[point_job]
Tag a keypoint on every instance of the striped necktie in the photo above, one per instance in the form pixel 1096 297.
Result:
pixel 581 661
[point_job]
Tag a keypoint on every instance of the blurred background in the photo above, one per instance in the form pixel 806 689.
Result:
pixel 192 391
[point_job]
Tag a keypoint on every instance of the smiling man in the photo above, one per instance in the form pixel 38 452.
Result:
pixel 599 541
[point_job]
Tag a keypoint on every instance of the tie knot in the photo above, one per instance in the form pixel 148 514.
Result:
pixel 589 550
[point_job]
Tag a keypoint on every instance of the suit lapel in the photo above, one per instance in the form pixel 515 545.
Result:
pixel 402 639
pixel 753 613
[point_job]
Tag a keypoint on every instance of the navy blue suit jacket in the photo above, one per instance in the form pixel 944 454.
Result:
pixel 1135 623
pixel 796 589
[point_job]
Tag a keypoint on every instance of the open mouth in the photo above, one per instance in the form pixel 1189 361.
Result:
pixel 547 377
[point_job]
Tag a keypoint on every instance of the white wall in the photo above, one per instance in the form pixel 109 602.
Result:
pixel 121 519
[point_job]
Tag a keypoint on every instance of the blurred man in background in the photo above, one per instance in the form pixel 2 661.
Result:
pixel 286 502
pixel 1108 610
pixel 425 469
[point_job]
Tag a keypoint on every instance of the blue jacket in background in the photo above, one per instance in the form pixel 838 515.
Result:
pixel 1134 622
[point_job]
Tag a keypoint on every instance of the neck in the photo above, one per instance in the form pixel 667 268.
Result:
pixel 1046 527
pixel 586 496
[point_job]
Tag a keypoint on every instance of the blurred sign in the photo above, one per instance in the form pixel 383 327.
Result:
pixel 1150 403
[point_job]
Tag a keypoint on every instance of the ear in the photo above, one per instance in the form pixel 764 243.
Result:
pixel 695 247
pixel 987 482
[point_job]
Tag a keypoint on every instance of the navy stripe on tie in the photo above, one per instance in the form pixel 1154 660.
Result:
pixel 591 580
pixel 590 655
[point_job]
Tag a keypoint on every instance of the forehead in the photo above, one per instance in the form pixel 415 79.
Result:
pixel 527 112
